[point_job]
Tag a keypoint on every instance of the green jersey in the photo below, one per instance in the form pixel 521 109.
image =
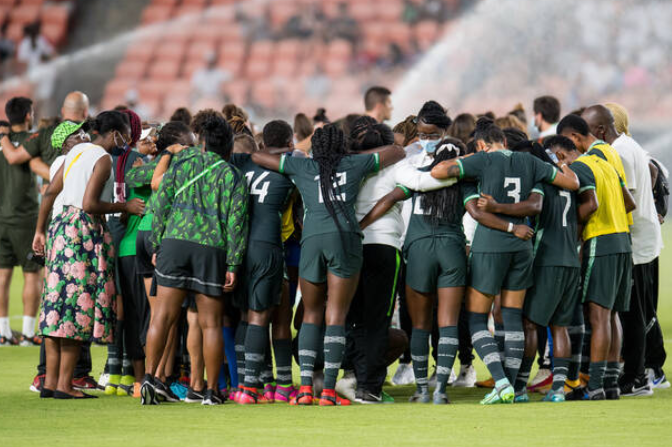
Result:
pixel 203 200
pixel 18 189
pixel 508 177
pixel 555 241
pixel 268 194
pixel 351 171
pixel 39 145
pixel 421 225
pixel 139 181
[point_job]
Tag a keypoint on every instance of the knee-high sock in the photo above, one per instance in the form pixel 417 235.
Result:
pixel 499 339
pixel 334 348
pixel 115 351
pixel 283 361
pixel 560 368
pixel 447 350
pixel 523 374
pixel 611 375
pixel 597 370
pixel 255 352
pixel 576 339
pixel 308 342
pixel 585 350
pixel 514 341
pixel 266 375
pixel 485 345
pixel 239 346
pixel 231 358
pixel 126 366
pixel 420 357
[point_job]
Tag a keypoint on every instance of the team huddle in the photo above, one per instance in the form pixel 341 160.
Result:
pixel 199 233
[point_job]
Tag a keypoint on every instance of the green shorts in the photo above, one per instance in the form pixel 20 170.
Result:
pixel 435 262
pixel 489 273
pixel 554 295
pixel 261 283
pixel 331 252
pixel 16 242
pixel 607 280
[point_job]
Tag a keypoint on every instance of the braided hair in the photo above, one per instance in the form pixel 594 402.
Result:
pixel 329 148
pixel 443 205
pixel 171 133
pixel 433 113
pixel 367 133
pixel 487 131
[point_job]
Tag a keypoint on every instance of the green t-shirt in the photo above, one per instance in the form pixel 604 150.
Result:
pixel 555 241
pixel 268 194
pixel 421 225
pixel 508 177
pixel 18 189
pixel 351 171
pixel 39 145
pixel 139 181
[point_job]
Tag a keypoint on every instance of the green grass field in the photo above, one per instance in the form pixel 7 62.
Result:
pixel 27 421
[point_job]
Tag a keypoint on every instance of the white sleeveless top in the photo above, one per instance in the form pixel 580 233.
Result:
pixel 77 170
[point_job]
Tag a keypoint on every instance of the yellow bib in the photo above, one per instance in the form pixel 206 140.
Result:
pixel 615 160
pixel 610 216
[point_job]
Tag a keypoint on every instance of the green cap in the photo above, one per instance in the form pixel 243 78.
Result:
pixel 62 132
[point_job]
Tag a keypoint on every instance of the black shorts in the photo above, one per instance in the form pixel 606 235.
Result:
pixel 191 266
pixel 136 307
pixel 261 283
pixel 15 245
pixel 143 255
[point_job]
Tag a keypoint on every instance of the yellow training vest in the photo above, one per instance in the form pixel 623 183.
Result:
pixel 610 216
pixel 614 159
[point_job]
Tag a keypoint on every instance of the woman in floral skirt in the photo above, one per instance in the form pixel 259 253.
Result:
pixel 78 301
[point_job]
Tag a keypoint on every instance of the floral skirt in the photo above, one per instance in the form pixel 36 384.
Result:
pixel 79 295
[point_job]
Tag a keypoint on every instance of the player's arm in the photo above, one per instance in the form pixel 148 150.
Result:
pixel 383 206
pixel 268 161
pixel 446 169
pixel 420 181
pixel 165 196
pixel 530 207
pixel 14 155
pixel 91 202
pixel 496 223
pixel 164 163
pixel 654 173
pixel 53 190
pixel 236 235
pixel 628 200
pixel 588 204
pixel 388 155
pixel 39 167
pixel 566 178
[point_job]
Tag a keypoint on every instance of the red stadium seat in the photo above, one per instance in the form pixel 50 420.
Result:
pixel 399 33
pixel 198 50
pixel 118 87
pixel 289 49
pixel 167 69
pixel 340 49
pixel 141 51
pixel 188 10
pixel 389 10
pixel 25 13
pixel 171 51
pixel 363 12
pixel 165 2
pixel 282 11
pixel 59 14
pixel 237 91
pixel 257 68
pixel 156 14
pixel 7 3
pixel 153 90
pixel 131 70
pixel 32 2
pixel 55 33
pixel 426 32
pixel 263 92
pixel 15 31
pixel 285 67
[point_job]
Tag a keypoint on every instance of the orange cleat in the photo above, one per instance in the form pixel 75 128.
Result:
pixel 329 398
pixel 305 396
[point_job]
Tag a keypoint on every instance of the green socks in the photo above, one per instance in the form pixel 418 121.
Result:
pixel 499 339
pixel 560 368
pixel 576 339
pixel 514 341
pixel 485 345
pixel 239 345
pixel 523 375
pixel 283 361
pixel 448 344
pixel 255 344
pixel 611 375
pixel 597 370
pixel 308 342
pixel 334 348
pixel 420 357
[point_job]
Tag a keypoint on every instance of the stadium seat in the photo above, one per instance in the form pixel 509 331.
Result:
pixel 7 3
pixel 171 51
pixel 289 48
pixel 165 70
pixel 363 12
pixel 15 31
pixel 389 10
pixel 55 33
pixel 426 32
pixel 25 13
pixel 285 67
pixel 118 87
pixel 156 14
pixel 54 13
pixel 165 2
pixel 141 51
pixel 340 50
pixel 32 2
pixel 154 90
pixel 257 68
pixel 282 11
pixel 131 69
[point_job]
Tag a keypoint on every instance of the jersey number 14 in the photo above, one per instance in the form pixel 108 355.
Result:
pixel 258 187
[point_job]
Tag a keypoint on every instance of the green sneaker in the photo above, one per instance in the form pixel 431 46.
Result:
pixel 507 394
pixel 112 384
pixel 420 398
pixel 440 398
pixel 387 399
pixel 491 398
pixel 521 398
pixel 554 396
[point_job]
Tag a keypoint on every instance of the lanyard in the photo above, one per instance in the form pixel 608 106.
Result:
pixel 195 179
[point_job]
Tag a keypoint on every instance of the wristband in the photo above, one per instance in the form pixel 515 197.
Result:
pixel 510 229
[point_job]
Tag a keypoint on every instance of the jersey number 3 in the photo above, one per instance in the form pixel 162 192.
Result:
pixel 515 192
pixel 258 187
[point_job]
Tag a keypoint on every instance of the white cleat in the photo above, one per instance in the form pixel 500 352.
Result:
pixel 404 375
pixel 466 378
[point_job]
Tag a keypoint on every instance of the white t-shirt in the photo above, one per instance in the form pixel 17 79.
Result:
pixel 647 240
pixel 53 169
pixel 32 57
pixel 79 164
pixel 208 81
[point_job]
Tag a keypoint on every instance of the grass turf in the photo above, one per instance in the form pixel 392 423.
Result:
pixel 119 421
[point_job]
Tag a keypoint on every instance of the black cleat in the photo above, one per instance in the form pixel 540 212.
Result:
pixel 148 392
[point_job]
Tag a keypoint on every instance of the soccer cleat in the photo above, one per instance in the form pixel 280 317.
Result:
pixel 125 387
pixel 8 341
pixel 542 382
pixel 233 395
pixel 250 396
pixel 404 375
pixel 193 396
pixel 597 394
pixel 489 383
pixel 521 398
pixel 420 397
pixel 571 385
pixel 148 392
pixel 612 393
pixel 466 378
pixel 491 398
pixel 369 398
pixel 86 383
pixel 347 385
pixel 112 385
pixel 584 378
pixel 504 394
pixel 387 399
pixel 554 396
pixel 103 379
pixel 269 392
pixel 452 378
pixel 163 391
pixel 284 393
pixel 136 390
pixel 578 393
pixel 329 398
pixel 212 397
pixel 657 378
pixel 637 387
pixel 440 398
pixel 25 340
pixel 303 397
pixel 38 383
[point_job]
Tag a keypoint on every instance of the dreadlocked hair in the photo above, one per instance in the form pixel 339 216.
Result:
pixel 443 205
pixel 171 133
pixel 367 133
pixel 329 148
pixel 433 113
pixel 487 131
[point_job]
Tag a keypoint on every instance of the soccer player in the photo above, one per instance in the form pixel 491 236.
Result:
pixel 606 263
pixel 261 283
pixel 200 226
pixel 501 262
pixel 331 247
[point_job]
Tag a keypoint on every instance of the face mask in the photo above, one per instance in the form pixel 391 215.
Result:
pixel 429 146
